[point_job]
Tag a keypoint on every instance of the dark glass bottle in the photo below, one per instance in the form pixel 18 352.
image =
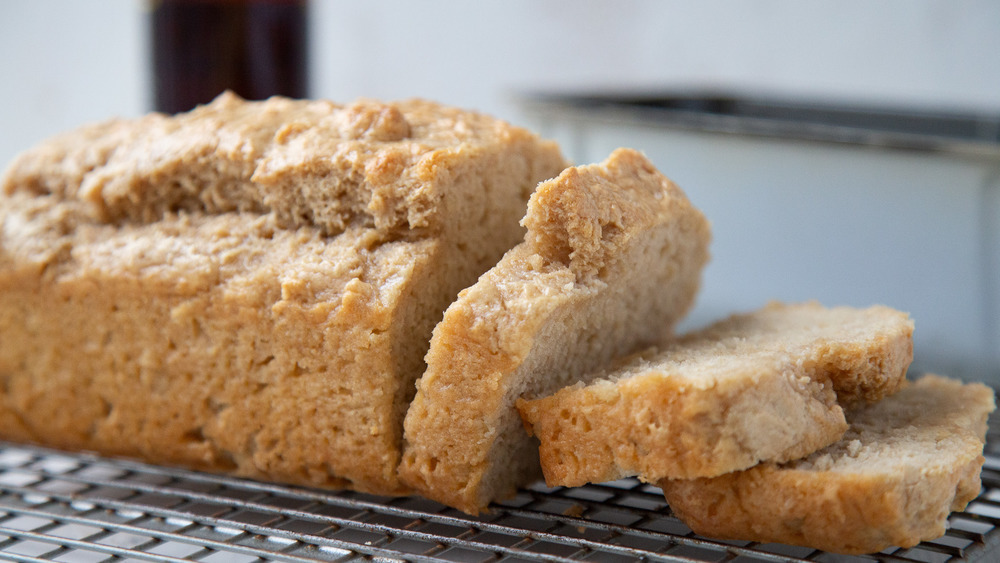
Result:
pixel 255 48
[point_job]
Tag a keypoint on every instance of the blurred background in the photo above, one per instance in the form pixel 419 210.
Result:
pixel 845 151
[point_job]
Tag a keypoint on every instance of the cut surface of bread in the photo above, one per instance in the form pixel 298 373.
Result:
pixel 249 287
pixel 765 385
pixel 905 464
pixel 611 261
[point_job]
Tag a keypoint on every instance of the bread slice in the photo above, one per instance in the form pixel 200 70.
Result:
pixel 766 385
pixel 905 463
pixel 612 259
pixel 249 287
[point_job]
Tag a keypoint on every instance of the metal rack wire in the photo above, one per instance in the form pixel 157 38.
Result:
pixel 64 507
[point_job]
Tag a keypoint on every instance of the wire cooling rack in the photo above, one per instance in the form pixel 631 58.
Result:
pixel 64 507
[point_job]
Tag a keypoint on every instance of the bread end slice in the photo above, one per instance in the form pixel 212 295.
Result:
pixel 766 385
pixel 905 464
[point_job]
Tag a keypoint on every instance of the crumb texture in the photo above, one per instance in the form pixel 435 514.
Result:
pixel 611 261
pixel 249 287
pixel 902 467
pixel 766 385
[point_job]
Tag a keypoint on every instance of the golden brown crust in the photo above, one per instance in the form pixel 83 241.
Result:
pixel 249 287
pixel 753 387
pixel 611 261
pixel 906 463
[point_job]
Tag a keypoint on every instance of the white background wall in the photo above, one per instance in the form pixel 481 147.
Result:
pixel 926 52
pixel 66 62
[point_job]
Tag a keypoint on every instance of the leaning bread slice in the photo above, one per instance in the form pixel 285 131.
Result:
pixel 249 287
pixel 766 385
pixel 905 463
pixel 612 259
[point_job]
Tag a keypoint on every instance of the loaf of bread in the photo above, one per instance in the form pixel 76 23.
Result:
pixel 611 261
pixel 766 385
pixel 905 463
pixel 249 287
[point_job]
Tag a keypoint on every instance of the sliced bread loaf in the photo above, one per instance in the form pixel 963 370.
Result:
pixel 905 463
pixel 249 287
pixel 767 385
pixel 611 261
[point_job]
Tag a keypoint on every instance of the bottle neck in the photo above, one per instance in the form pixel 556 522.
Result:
pixel 201 48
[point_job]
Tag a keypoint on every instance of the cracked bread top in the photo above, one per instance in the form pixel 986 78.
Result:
pixel 310 163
